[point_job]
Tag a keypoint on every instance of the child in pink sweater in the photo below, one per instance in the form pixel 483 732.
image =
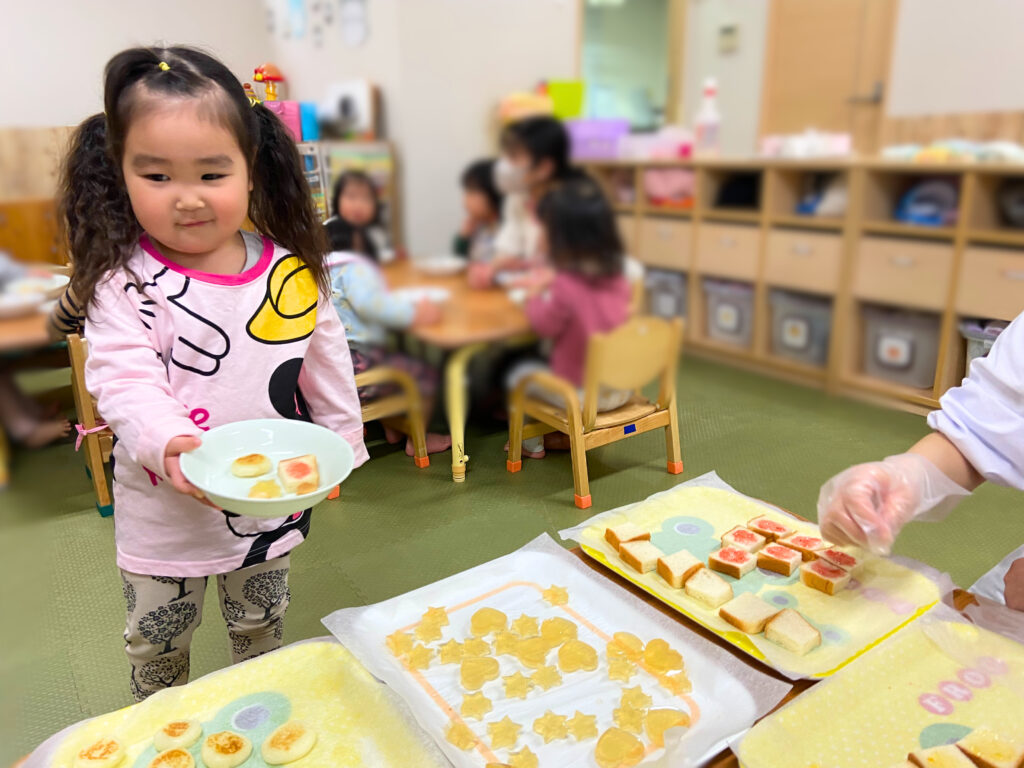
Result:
pixel 582 292
pixel 192 324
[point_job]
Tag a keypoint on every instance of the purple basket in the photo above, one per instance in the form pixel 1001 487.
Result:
pixel 596 139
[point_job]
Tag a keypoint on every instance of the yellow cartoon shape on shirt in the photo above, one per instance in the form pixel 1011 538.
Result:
pixel 288 311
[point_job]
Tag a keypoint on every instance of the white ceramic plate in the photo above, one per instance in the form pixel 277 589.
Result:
pixel 51 286
pixel 417 293
pixel 209 466
pixel 441 265
pixel 19 304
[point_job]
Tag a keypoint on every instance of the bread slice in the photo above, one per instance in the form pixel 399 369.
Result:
pixel 824 577
pixel 640 555
pixel 946 756
pixel 732 561
pixel 808 546
pixel 617 535
pixel 708 587
pixel 988 749
pixel 849 563
pixel 789 629
pixel 743 538
pixel 779 559
pixel 299 475
pixel 770 528
pixel 748 613
pixel 678 567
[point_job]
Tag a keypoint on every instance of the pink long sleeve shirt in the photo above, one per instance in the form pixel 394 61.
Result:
pixel 574 309
pixel 176 352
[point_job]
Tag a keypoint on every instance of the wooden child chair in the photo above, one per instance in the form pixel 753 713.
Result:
pixel 93 434
pixel 644 349
pixel 403 411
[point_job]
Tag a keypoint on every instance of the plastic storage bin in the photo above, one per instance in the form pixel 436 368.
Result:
pixel 901 346
pixel 666 293
pixel 980 336
pixel 596 139
pixel 800 327
pixel 730 311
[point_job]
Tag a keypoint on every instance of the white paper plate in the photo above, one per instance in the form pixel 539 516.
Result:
pixel 209 466
pixel 417 293
pixel 441 265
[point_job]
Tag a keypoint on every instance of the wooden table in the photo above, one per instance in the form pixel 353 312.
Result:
pixel 472 321
pixel 24 333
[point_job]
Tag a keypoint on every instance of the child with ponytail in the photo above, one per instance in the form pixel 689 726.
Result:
pixel 193 323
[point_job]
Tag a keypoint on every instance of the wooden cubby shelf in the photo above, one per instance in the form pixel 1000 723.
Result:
pixel 971 268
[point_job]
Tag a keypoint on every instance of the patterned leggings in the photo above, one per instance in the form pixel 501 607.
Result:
pixel 163 612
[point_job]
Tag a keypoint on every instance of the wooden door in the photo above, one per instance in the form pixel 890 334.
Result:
pixel 827 67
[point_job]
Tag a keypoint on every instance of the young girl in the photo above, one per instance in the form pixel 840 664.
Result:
pixel 367 309
pixel 482 202
pixel 191 324
pixel 583 292
pixel 535 156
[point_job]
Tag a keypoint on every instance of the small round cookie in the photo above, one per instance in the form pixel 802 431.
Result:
pixel 226 749
pixel 177 734
pixel 253 465
pixel 288 743
pixel 105 752
pixel 173 758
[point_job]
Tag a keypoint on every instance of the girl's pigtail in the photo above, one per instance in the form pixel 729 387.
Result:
pixel 96 214
pixel 280 204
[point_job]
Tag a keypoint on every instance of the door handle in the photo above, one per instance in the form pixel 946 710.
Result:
pixel 1016 275
pixel 874 97
pixel 903 262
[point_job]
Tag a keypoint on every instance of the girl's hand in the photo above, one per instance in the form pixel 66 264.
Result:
pixel 480 275
pixel 172 467
pixel 539 280
pixel 427 313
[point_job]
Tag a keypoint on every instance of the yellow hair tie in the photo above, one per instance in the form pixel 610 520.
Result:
pixel 164 66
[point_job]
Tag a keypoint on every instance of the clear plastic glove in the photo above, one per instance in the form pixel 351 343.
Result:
pixel 868 504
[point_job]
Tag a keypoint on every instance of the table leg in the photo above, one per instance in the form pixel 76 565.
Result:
pixel 5 459
pixel 456 395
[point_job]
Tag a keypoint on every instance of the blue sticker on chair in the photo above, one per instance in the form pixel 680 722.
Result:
pixel 629 429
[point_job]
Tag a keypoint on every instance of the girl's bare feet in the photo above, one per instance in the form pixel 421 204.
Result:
pixel 393 436
pixel 46 432
pixel 557 441
pixel 528 453
pixel 435 444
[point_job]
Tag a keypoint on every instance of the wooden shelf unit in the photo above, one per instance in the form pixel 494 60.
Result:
pixel 973 268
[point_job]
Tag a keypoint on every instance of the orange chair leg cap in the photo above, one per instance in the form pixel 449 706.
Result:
pixel 675 467
pixel 335 492
pixel 421 461
pixel 583 502
pixel 513 466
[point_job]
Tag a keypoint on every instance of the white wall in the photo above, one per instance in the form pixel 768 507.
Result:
pixel 58 48
pixel 739 73
pixel 952 56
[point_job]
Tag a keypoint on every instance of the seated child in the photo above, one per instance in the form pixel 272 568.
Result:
pixel 355 205
pixel 368 310
pixel 583 292
pixel 482 202
pixel 27 422
pixel 535 155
